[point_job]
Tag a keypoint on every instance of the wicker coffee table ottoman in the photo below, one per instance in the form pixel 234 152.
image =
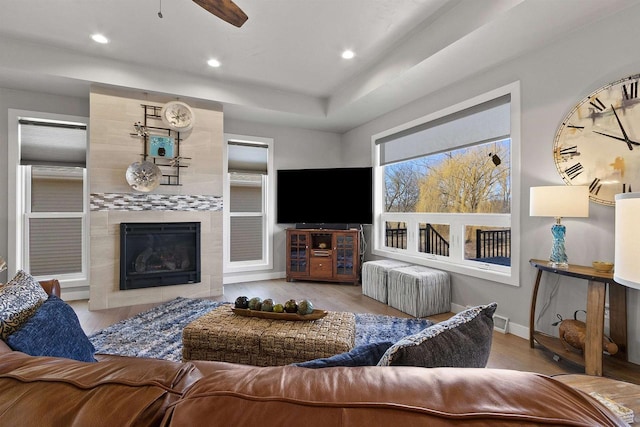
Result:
pixel 223 336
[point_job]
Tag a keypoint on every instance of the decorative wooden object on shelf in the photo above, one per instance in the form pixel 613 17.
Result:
pixel 592 359
pixel 169 163
pixel 323 255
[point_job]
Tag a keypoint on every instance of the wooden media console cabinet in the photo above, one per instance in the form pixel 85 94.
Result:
pixel 323 255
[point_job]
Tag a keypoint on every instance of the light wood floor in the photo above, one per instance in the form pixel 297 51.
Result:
pixel 508 351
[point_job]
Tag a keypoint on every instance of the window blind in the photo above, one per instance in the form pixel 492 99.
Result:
pixel 43 142
pixel 245 199
pixel 247 157
pixel 55 246
pixel 486 122
pixel 56 189
pixel 246 238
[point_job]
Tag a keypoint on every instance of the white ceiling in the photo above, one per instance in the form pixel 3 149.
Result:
pixel 283 66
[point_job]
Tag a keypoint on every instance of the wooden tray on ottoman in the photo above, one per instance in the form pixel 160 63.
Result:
pixel 314 315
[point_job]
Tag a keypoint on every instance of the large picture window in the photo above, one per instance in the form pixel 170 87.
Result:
pixel 445 188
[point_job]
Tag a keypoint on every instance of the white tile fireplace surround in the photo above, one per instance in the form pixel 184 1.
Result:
pixel 112 149
pixel 105 246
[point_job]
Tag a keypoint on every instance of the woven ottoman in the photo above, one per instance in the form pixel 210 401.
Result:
pixel 375 277
pixel 224 336
pixel 419 291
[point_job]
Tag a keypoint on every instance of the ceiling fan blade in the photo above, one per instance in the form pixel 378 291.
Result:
pixel 226 10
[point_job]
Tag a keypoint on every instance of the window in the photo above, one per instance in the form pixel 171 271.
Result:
pixel 247 217
pixel 248 204
pixel 54 220
pixel 48 198
pixel 444 188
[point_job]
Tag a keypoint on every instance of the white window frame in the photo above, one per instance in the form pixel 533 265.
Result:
pixel 456 261
pixel 18 199
pixel 268 210
pixel 28 215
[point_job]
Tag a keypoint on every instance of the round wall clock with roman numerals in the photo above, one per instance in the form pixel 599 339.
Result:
pixel 598 142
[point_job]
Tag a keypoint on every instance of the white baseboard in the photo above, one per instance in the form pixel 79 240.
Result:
pixel 68 295
pixel 519 330
pixel 513 328
pixel 253 277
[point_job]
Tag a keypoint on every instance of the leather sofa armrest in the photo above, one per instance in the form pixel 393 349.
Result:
pixel 51 287
pixel 4 348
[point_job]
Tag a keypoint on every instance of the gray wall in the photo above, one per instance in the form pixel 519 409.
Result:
pixel 31 101
pixel 294 148
pixel 553 80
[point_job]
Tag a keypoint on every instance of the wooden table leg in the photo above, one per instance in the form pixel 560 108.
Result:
pixel 532 312
pixel 595 328
pixel 618 318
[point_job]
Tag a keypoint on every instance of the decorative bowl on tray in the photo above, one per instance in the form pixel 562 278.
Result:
pixel 314 315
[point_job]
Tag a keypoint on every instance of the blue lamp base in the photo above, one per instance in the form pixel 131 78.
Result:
pixel 558 258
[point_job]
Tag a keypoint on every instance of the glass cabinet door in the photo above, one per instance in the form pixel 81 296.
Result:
pixel 298 248
pixel 345 254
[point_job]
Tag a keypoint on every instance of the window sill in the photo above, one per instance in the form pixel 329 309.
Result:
pixel 493 273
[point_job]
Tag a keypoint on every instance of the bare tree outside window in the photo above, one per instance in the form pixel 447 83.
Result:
pixel 473 179
pixel 467 181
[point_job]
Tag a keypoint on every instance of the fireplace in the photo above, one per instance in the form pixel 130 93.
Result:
pixel 159 254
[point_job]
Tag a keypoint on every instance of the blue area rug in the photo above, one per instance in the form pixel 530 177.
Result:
pixel 157 332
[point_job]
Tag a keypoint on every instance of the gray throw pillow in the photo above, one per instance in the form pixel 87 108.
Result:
pixel 463 341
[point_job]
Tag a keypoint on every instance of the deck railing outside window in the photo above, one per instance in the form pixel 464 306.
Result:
pixel 492 246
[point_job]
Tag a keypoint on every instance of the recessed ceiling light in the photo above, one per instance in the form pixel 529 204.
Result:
pixel 99 38
pixel 213 63
pixel 348 54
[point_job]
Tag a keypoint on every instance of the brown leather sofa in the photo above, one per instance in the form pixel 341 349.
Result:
pixel 123 391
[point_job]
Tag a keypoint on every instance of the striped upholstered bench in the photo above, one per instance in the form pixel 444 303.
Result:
pixel 419 291
pixel 375 277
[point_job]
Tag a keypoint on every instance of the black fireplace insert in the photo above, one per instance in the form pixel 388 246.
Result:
pixel 159 254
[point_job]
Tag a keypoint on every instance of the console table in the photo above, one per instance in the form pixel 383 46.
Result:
pixel 592 360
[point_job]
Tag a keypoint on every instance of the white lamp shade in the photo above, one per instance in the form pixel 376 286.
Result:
pixel 627 238
pixel 560 201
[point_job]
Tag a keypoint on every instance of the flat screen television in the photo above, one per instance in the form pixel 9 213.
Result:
pixel 325 196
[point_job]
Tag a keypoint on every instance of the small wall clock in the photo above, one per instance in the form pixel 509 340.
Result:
pixel 598 142
pixel 177 115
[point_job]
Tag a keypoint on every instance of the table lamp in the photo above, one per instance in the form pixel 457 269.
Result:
pixel 627 236
pixel 559 201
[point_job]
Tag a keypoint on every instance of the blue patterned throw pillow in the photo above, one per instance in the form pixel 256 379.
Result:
pixel 54 330
pixel 463 341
